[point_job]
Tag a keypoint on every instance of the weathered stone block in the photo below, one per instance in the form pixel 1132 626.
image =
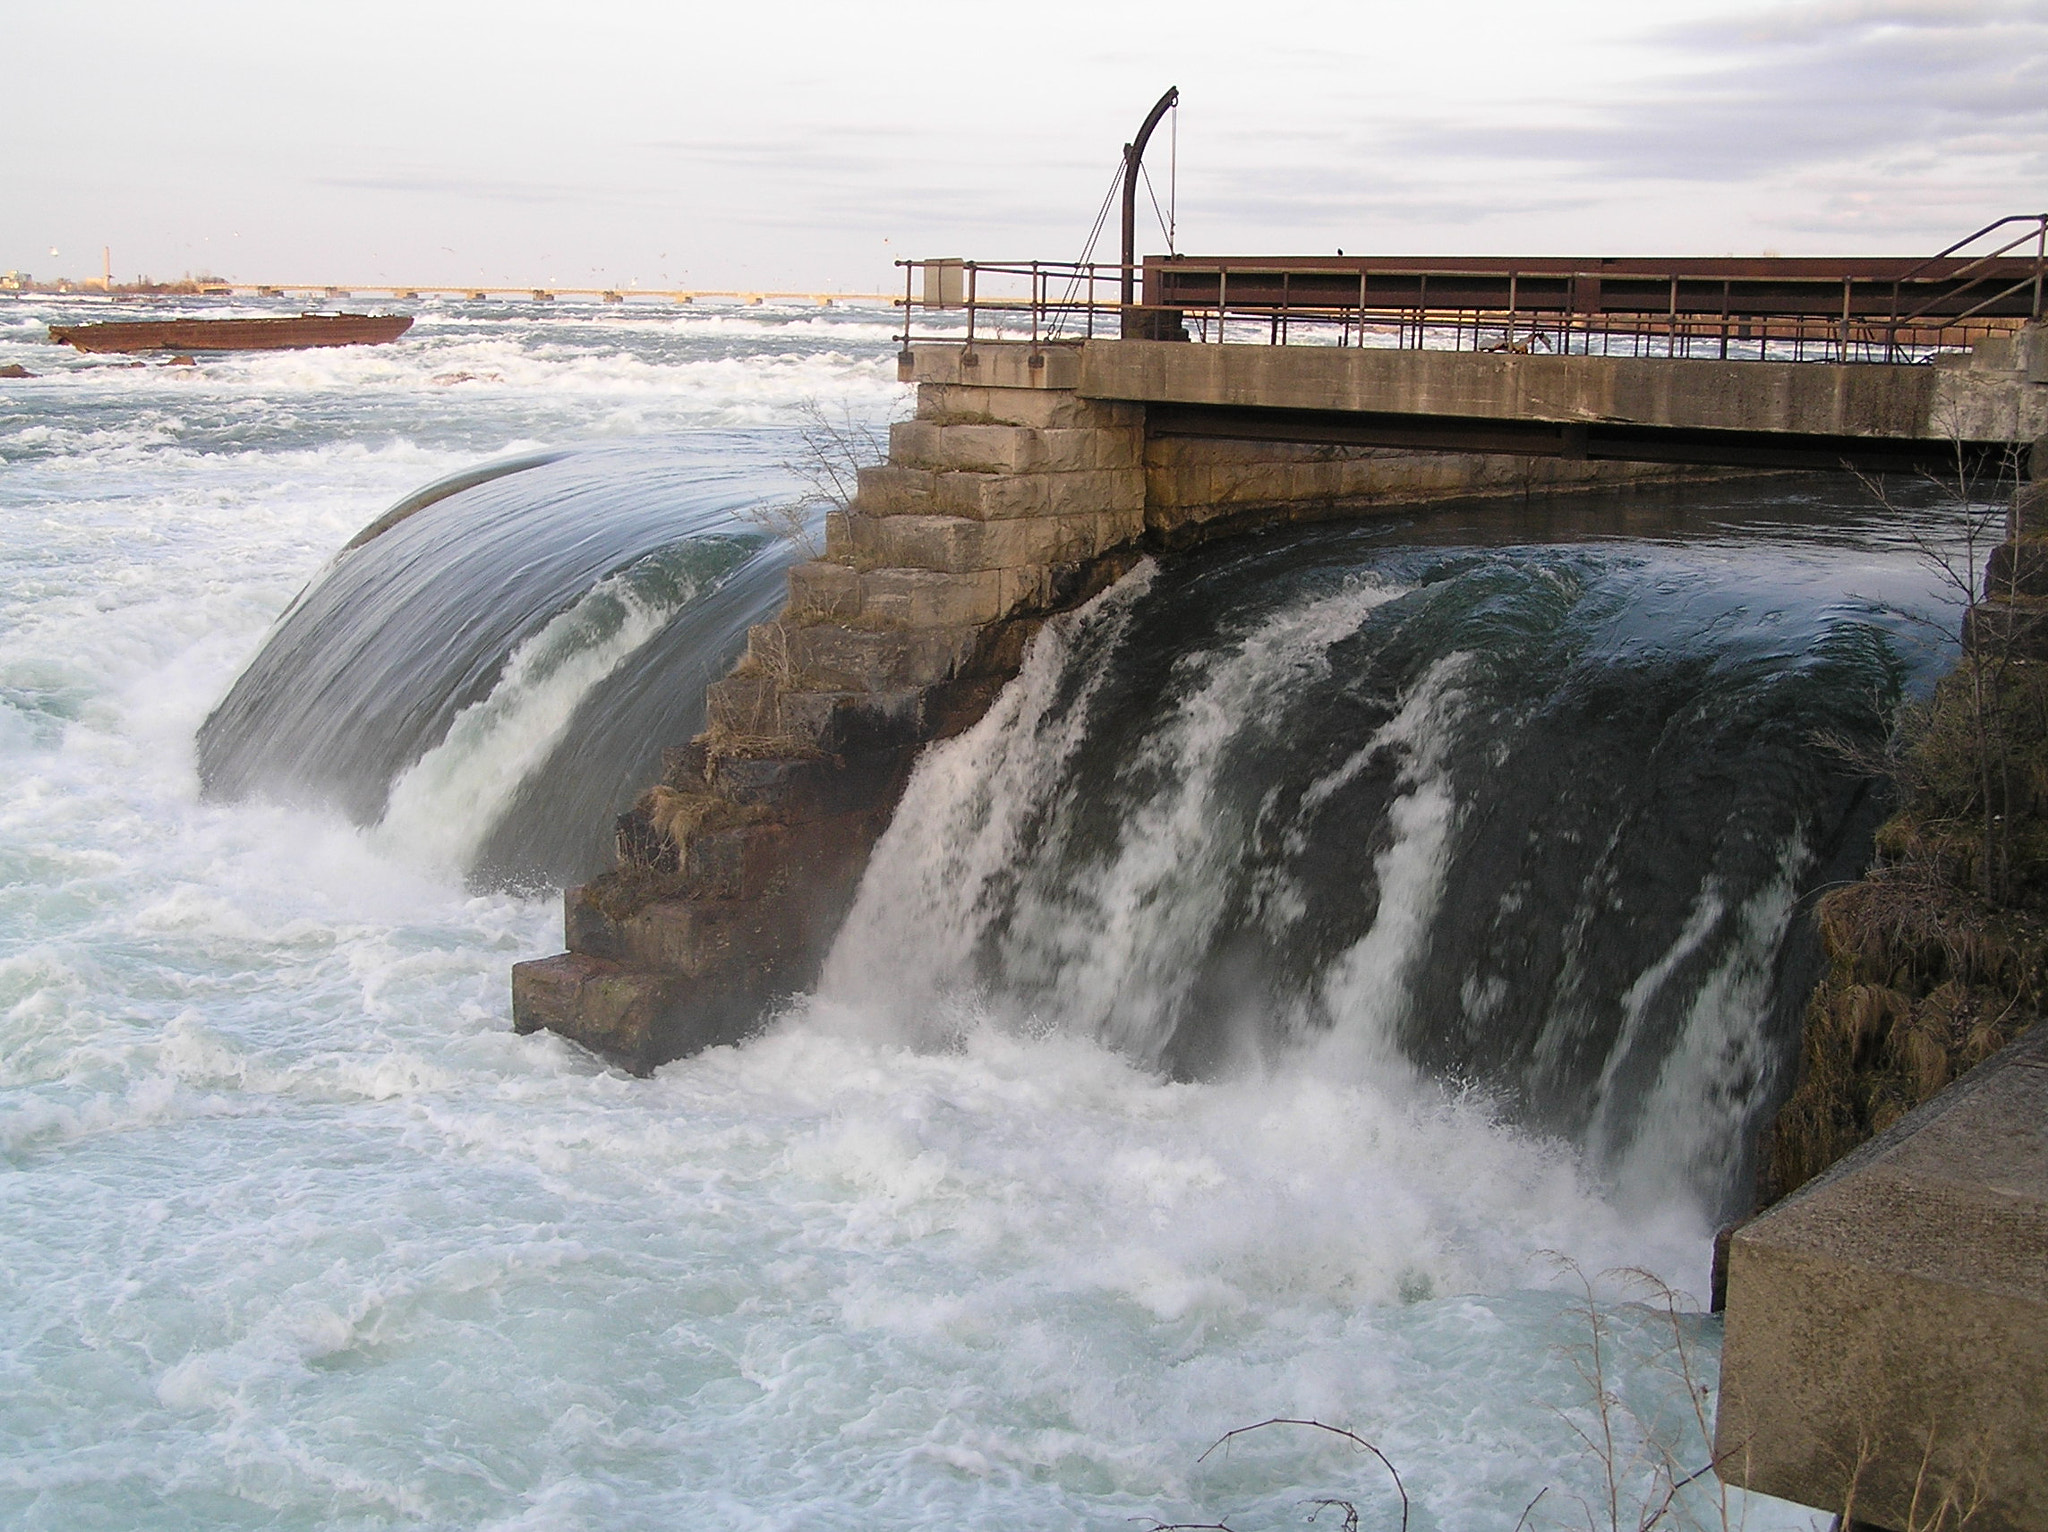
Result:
pixel 2017 569
pixel 1011 449
pixel 838 658
pixel 887 490
pixel 926 598
pixel 855 722
pixel 2030 504
pixel 801 791
pixel 700 937
pixel 1893 1313
pixel 742 705
pixel 991 497
pixel 615 1010
pixel 1048 409
pixel 818 589
pixel 2017 629
pixel 962 544
pixel 685 767
pixel 741 862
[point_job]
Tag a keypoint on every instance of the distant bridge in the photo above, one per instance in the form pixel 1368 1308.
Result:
pixel 414 290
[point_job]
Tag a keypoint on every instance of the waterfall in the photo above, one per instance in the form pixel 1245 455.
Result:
pixel 1531 820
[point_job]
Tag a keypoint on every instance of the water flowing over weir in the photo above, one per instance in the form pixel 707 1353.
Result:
pixel 489 671
pixel 1533 818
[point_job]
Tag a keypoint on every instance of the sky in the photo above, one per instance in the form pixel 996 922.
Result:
pixel 782 144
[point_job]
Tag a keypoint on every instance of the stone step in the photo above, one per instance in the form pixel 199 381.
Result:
pixel 963 544
pixel 1012 449
pixel 1047 409
pixel 896 490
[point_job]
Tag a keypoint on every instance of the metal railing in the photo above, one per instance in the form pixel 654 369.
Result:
pixel 1885 309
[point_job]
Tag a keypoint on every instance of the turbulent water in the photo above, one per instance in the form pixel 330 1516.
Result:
pixel 1316 944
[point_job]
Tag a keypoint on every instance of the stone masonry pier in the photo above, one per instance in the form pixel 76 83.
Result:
pixel 1031 478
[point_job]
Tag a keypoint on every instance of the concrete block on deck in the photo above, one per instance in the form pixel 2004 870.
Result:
pixel 996 364
pixel 1895 1310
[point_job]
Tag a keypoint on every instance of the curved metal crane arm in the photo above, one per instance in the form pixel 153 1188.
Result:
pixel 1134 154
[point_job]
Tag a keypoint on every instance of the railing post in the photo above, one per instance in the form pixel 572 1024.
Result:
pixel 969 351
pixel 2040 262
pixel 1222 300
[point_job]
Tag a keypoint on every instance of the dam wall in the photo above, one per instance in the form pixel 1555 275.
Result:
pixel 1012 495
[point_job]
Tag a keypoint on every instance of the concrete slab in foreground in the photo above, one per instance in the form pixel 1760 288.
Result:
pixel 1887 1324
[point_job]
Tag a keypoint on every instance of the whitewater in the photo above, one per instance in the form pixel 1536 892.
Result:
pixel 294 1232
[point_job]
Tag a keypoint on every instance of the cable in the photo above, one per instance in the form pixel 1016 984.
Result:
pixel 1173 177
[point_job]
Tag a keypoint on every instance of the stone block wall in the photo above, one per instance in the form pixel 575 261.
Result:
pixel 1000 503
pixel 1197 489
pixel 2012 618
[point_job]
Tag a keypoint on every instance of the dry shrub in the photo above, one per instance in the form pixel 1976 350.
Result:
pixel 1939 957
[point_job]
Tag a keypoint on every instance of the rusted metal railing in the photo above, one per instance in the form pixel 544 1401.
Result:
pixel 1770 308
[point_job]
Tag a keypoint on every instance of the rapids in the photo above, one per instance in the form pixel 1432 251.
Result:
pixel 1314 939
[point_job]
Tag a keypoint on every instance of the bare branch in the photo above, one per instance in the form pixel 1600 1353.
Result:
pixel 1317 1425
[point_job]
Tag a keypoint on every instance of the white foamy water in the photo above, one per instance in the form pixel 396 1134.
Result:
pixel 445 804
pixel 295 1233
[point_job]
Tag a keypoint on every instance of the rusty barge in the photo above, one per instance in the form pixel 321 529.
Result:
pixel 292 333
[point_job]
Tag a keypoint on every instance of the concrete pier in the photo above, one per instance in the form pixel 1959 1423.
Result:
pixel 1887 1324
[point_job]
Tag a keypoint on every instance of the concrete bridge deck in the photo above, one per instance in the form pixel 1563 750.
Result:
pixel 1875 416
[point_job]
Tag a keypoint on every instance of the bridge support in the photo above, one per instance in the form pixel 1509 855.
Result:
pixel 1887 1324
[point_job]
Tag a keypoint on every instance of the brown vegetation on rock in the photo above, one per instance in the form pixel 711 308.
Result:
pixel 1939 957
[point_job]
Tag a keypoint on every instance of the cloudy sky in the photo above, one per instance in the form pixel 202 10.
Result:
pixel 783 143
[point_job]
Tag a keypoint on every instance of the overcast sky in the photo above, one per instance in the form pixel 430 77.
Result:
pixel 782 143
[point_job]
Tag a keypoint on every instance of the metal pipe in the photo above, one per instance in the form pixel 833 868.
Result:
pixel 1134 155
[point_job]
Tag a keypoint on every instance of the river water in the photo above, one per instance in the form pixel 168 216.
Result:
pixel 1317 948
